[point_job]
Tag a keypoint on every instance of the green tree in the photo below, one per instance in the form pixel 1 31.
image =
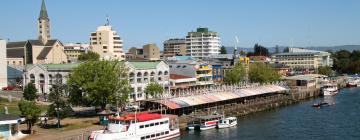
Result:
pixel 99 83
pixel 30 92
pixel 89 56
pixel 325 70
pixel 59 107
pixel 260 50
pixel 242 53
pixel 153 89
pixel 286 50
pixel 223 50
pixel 235 75
pixel 277 49
pixel 263 73
pixel 30 111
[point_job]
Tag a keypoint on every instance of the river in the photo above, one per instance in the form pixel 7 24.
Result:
pixel 300 121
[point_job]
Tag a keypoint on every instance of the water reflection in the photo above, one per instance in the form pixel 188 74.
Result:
pixel 329 99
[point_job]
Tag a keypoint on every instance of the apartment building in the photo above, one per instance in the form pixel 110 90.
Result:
pixel 298 58
pixel 202 43
pixel 74 50
pixel 107 43
pixel 174 47
pixel 147 52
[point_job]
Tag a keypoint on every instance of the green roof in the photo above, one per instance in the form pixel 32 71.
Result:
pixel 68 66
pixel 144 65
pixel 43 12
pixel 200 31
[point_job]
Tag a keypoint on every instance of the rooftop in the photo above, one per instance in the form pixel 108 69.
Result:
pixel 144 64
pixel 68 66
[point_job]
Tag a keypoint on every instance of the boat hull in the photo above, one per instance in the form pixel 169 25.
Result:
pixel 207 127
pixel 220 126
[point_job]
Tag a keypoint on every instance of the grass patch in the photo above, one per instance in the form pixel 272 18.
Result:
pixel 13 107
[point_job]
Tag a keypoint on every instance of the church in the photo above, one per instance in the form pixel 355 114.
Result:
pixel 43 50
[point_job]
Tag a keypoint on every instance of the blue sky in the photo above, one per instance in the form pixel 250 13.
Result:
pixel 268 22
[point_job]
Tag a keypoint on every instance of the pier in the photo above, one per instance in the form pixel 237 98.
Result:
pixel 250 100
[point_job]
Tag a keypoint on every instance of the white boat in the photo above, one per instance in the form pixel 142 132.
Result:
pixel 139 127
pixel 353 82
pixel 227 122
pixel 329 90
pixel 204 122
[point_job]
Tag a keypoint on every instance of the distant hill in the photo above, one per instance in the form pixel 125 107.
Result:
pixel 319 48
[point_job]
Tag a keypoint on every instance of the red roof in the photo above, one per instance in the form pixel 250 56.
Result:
pixel 145 116
pixel 176 77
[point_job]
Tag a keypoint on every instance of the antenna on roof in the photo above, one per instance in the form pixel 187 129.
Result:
pixel 107 20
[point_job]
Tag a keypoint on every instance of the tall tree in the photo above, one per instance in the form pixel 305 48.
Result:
pixel 30 92
pixel 30 111
pixel 59 107
pixel 260 50
pixel 236 74
pixel 286 49
pixel 153 89
pixel 89 56
pixel 100 83
pixel 277 49
pixel 223 50
pixel 263 73
pixel 325 71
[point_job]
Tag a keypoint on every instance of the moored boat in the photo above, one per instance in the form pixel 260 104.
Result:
pixel 204 122
pixel 139 126
pixel 227 122
pixel 329 90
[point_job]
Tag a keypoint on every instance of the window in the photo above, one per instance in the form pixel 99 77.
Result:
pixel 158 134
pixel 147 125
pixel 157 123
pixel 141 126
pixel 166 132
pixel 13 62
pixel 142 138
pixel 166 122
pixel 162 133
pixel 104 47
pixel 152 124
pixel 153 135
pixel 161 122
pixel 148 136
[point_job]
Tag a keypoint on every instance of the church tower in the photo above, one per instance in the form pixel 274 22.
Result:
pixel 44 24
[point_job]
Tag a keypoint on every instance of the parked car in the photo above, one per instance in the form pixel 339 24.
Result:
pixel 8 88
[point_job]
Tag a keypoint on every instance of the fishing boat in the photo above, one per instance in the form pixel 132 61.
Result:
pixel 329 90
pixel 204 122
pixel 227 122
pixel 139 126
pixel 353 82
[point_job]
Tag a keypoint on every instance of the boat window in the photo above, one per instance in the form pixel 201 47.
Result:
pixel 158 134
pixel 141 126
pixel 162 133
pixel 146 125
pixel 157 123
pixel 142 138
pixel 148 136
pixel 153 135
pixel 151 124
pixel 166 122
pixel 117 122
pixel 166 132
pixel 161 122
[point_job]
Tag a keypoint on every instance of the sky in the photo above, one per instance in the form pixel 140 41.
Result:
pixel 138 22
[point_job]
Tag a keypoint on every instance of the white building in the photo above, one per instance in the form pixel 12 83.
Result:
pixel 140 75
pixel 3 65
pixel 298 58
pixel 107 43
pixel 143 73
pixel 202 43
pixel 44 76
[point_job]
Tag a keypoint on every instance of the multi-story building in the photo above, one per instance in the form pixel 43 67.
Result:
pixel 174 47
pixel 202 43
pixel 107 43
pixel 142 73
pixel 303 59
pixel 42 51
pixel 74 50
pixel 193 68
pixel 148 52
pixel 3 66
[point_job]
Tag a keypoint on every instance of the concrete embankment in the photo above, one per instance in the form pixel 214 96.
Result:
pixel 254 105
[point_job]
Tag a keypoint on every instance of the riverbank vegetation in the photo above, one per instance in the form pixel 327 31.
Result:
pixel 346 61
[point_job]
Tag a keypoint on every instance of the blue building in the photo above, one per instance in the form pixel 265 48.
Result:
pixel 217 73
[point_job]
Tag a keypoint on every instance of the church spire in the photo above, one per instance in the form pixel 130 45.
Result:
pixel 44 24
pixel 43 12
